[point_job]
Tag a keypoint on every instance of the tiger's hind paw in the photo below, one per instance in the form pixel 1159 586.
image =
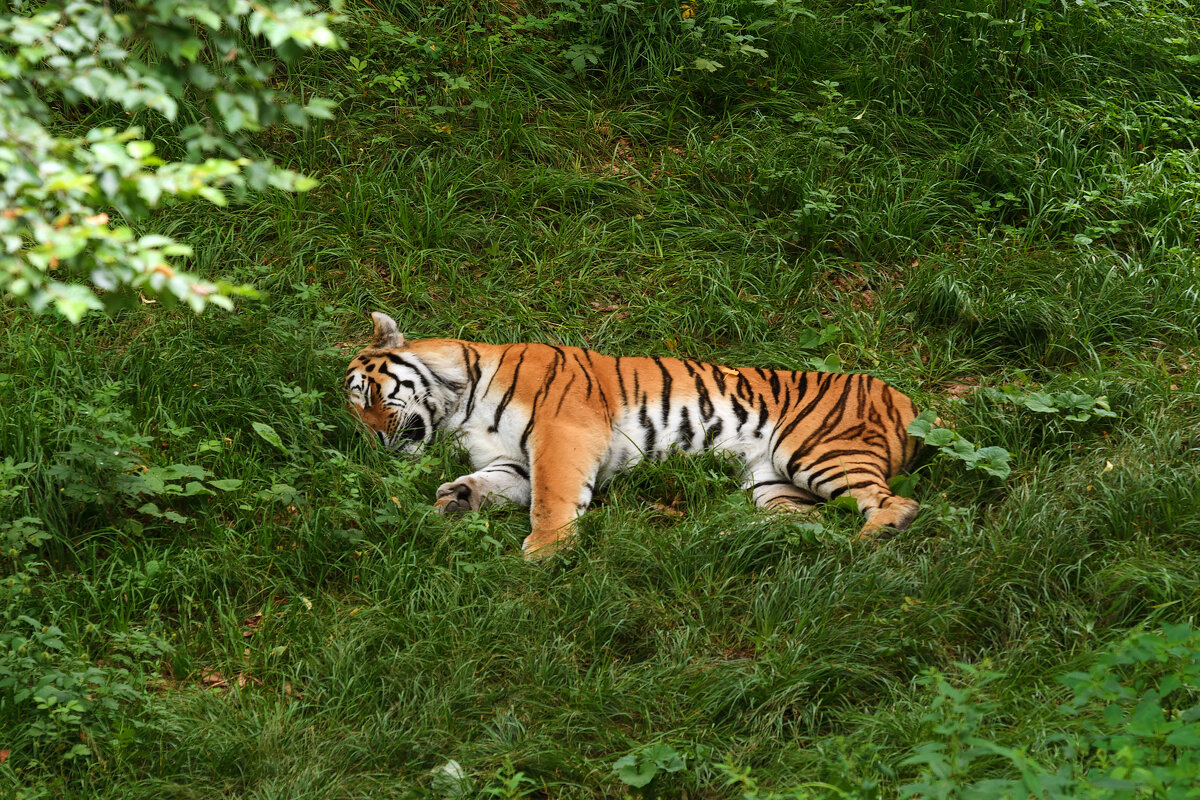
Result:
pixel 457 497
pixel 897 514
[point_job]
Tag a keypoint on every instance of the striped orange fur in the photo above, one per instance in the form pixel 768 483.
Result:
pixel 543 425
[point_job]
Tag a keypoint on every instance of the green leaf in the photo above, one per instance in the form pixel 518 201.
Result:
pixel 666 758
pixel 923 424
pixel 268 433
pixel 1116 784
pixel 1168 684
pixel 635 772
pixel 280 492
pixel 813 338
pixel 74 301
pixel 831 363
pixel 993 461
pixel 960 448
pixel 1185 737
pixel 904 485
pixel 941 437
pixel 1178 634
pixel 226 484
pixel 844 503
pixel 173 472
pixel 194 488
pixel 1040 402
pixel 77 751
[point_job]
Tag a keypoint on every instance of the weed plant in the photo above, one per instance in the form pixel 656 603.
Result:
pixel 213 585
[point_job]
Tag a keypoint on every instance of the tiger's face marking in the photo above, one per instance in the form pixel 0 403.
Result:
pixel 389 396
pixel 393 393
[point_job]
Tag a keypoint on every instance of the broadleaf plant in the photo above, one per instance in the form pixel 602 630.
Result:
pixel 1074 406
pixel 992 460
pixel 70 197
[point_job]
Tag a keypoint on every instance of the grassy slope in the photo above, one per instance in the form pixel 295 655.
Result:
pixel 960 211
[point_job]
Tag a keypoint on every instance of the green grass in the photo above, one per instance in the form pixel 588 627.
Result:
pixel 957 211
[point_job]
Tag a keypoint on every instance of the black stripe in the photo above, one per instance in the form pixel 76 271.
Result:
pixel 740 412
pixel 552 373
pixel 508 395
pixel 794 461
pixel 706 406
pixel 599 386
pixel 744 390
pixel 801 414
pixel 718 377
pixel 818 476
pixel 685 428
pixel 586 372
pixel 422 369
pixel 499 363
pixel 858 431
pixel 829 423
pixel 763 415
pixel 666 392
pixel 403 383
pixel 620 380
pixel 712 432
pixel 648 425
pixel 528 430
pixel 473 375
pixel 509 466
pixel 566 389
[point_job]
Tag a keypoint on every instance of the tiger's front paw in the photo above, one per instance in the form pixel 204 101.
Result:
pixel 457 497
pixel 541 545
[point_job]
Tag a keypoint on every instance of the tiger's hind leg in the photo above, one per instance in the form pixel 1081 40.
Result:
pixel 882 507
pixel 500 482
pixel 862 479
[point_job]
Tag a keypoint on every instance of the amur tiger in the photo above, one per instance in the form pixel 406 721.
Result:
pixel 543 425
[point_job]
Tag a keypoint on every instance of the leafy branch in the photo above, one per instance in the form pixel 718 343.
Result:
pixel 67 200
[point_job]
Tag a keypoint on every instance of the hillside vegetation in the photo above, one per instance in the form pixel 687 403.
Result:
pixel 213 584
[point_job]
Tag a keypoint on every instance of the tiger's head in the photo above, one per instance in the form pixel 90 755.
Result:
pixel 394 392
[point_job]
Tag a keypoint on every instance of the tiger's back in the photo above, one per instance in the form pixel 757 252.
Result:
pixel 544 424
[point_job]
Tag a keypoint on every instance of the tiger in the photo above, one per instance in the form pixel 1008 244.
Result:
pixel 543 425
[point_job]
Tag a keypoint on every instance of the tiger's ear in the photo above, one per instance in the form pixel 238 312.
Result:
pixel 387 334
